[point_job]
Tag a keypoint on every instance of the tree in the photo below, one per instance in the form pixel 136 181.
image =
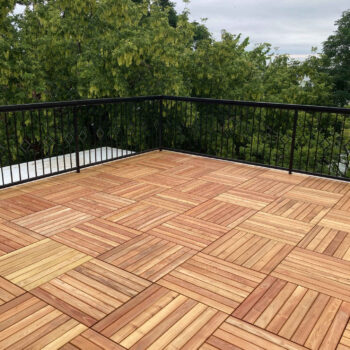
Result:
pixel 336 58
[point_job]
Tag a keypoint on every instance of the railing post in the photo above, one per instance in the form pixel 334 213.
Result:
pixel 160 140
pixel 76 138
pixel 291 160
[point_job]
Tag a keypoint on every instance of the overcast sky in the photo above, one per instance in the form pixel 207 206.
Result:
pixel 294 26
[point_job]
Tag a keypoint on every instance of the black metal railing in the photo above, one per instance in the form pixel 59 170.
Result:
pixel 41 140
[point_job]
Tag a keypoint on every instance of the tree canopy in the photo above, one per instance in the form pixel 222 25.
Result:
pixel 336 55
pixel 62 50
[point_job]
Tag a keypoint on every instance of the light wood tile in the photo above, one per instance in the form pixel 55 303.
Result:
pixel 39 262
pixel 96 237
pixel 148 256
pixel 159 318
pixel 316 271
pixel 249 250
pixel 53 220
pixel 91 291
pixel 189 232
pixel 213 281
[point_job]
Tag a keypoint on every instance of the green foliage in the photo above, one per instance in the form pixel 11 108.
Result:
pixel 336 59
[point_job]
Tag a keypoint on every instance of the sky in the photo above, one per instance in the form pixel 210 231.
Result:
pixel 292 26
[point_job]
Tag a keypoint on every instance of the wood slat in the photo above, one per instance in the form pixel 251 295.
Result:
pixel 236 334
pixel 91 291
pixel 175 201
pixel 324 198
pixel 212 281
pixel 25 204
pixel 91 340
pixel 266 186
pixel 99 204
pixel 221 213
pixel 249 250
pixel 189 232
pixel 28 323
pixel 141 216
pixel 148 256
pixel 96 237
pixel 136 190
pixel 316 271
pixel 188 170
pixel 317 183
pixel 39 262
pixel 203 188
pixel 344 343
pixel 166 181
pixel 13 237
pixel 296 313
pixel 53 220
pixel 285 230
pixel 337 219
pixel 297 210
pixel 62 193
pixel 8 291
pixel 131 171
pixel 245 198
pixel 159 318
pixel 327 241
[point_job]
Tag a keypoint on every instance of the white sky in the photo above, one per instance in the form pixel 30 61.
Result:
pixel 294 26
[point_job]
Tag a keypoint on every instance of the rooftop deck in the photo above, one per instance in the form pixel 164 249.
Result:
pixel 167 250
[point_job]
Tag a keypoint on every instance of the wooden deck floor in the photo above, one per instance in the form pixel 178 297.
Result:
pixel 167 250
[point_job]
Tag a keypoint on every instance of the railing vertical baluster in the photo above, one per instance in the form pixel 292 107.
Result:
pixel 76 137
pixel 291 159
pixel 160 126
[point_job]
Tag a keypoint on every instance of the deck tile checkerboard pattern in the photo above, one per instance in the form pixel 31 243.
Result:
pixel 171 251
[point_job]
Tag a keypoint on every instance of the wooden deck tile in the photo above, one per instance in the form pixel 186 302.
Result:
pixel 63 193
pixel 95 237
pixel 101 181
pixel 235 334
pixel 283 176
pixel 159 318
pixel 305 194
pixel 223 178
pixel 317 183
pixel 337 219
pixel 99 204
pixel 39 262
pixel 221 213
pixel 53 220
pixel 203 188
pixel 142 216
pixel 343 204
pixel 25 204
pixel 328 242
pixel 299 314
pixel 91 340
pixel 275 227
pixel 316 271
pixel 249 250
pixel 148 256
pixel 189 232
pixel 297 210
pixel 344 343
pixel 133 171
pixel 91 291
pixel 188 170
pixel 163 180
pixel 11 192
pixel 14 237
pixel 136 190
pixel 266 186
pixel 175 200
pixel 213 281
pixel 8 291
pixel 28 323
pixel 248 199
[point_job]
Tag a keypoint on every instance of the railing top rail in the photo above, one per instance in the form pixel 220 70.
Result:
pixel 77 103
pixel 74 103
pixel 310 108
